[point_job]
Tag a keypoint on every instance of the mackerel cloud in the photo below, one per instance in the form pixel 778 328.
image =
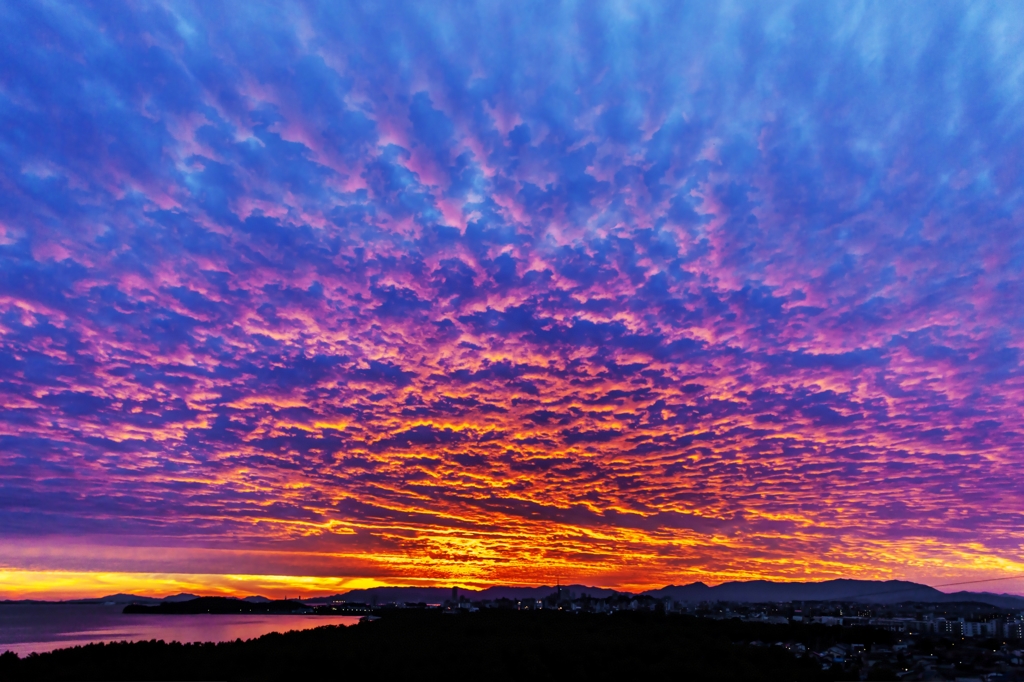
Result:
pixel 508 291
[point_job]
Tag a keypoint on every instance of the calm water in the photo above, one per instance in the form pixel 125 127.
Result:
pixel 25 628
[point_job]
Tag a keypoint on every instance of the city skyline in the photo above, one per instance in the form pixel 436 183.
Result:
pixel 311 297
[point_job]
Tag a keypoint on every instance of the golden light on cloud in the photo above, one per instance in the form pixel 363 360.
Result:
pixel 578 313
pixel 65 585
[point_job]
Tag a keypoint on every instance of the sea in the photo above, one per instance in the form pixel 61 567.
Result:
pixel 38 628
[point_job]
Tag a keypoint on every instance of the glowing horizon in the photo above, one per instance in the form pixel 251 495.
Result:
pixel 69 585
pixel 299 294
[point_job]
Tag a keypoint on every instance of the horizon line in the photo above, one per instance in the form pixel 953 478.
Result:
pixel 344 590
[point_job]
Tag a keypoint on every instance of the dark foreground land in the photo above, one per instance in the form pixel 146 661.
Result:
pixel 487 644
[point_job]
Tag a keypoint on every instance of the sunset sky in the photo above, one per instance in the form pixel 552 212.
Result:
pixel 302 297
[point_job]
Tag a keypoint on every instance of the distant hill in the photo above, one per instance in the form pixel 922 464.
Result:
pixel 875 591
pixel 438 595
pixel 694 592
pixel 183 596
pixel 543 591
pixel 121 598
pixel 830 590
pixel 385 595
pixel 1003 601
pixel 220 605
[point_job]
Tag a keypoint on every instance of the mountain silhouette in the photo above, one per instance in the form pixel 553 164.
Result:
pixel 438 595
pixel 870 591
pixel 220 605
pixel 873 591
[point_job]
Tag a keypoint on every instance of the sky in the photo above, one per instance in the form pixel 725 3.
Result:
pixel 302 297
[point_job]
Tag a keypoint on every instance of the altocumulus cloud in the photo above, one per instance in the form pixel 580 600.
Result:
pixel 628 292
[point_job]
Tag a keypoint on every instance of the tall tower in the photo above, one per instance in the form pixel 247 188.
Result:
pixel 455 595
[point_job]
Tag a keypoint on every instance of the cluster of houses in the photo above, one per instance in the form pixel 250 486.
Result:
pixel 907 660
pixel 1004 628
pixel 962 642
pixel 954 620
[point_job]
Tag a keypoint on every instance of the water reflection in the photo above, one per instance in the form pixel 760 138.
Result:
pixel 27 628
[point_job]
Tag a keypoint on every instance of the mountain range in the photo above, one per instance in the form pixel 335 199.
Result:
pixel 872 591
pixel 121 598
pixel 437 595
pixel 753 591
